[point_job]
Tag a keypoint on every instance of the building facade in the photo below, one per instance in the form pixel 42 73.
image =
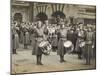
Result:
pixel 31 11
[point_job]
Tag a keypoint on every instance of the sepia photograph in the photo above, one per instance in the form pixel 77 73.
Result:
pixel 52 37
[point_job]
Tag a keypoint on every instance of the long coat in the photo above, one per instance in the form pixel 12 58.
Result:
pixel 88 52
pixel 26 38
pixel 15 40
pixel 39 38
pixel 21 36
pixel 62 38
pixel 80 38
pixel 33 42
pixel 94 43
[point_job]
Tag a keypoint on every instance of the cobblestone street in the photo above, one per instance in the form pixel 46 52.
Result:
pixel 25 62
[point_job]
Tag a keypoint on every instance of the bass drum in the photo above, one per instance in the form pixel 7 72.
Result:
pixel 69 47
pixel 45 47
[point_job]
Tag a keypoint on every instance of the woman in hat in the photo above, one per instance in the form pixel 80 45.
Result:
pixel 26 38
pixel 39 38
pixel 80 38
pixel 15 39
pixel 62 38
pixel 88 53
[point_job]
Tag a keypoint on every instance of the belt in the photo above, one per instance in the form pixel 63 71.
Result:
pixel 39 36
pixel 88 42
pixel 62 37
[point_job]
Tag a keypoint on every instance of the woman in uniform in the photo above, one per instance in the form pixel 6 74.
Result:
pixel 15 39
pixel 33 36
pixel 39 38
pixel 62 38
pixel 26 38
pixel 88 53
pixel 80 39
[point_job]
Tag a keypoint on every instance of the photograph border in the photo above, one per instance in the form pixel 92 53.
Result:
pixel 51 71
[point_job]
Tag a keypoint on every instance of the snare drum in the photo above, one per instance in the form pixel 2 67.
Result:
pixel 68 46
pixel 45 47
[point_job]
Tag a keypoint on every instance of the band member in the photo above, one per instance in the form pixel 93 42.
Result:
pixel 74 39
pixel 39 37
pixel 15 39
pixel 33 32
pixel 89 46
pixel 21 33
pixel 80 40
pixel 94 42
pixel 62 38
pixel 26 38
pixel 70 36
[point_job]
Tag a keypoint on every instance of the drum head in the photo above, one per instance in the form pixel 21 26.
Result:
pixel 43 43
pixel 67 44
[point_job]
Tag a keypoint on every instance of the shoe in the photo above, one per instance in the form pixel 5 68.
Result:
pixel 79 57
pixel 40 64
pixel 64 60
pixel 61 61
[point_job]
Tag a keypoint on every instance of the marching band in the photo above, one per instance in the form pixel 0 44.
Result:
pixel 60 37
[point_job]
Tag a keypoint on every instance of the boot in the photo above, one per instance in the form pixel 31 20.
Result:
pixel 37 59
pixel 62 58
pixel 40 57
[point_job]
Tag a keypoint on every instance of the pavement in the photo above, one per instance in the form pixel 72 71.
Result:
pixel 25 62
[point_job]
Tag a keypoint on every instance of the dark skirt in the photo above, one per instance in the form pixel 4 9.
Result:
pixel 88 51
pixel 77 46
pixel 61 48
pixel 38 50
pixel 15 41
pixel 26 39
pixel 33 45
pixel 54 42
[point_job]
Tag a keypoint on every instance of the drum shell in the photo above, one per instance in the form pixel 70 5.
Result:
pixel 68 49
pixel 68 46
pixel 45 49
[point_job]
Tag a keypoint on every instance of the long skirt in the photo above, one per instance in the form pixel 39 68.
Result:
pixel 16 41
pixel 38 50
pixel 77 46
pixel 33 43
pixel 21 37
pixel 61 48
pixel 88 52
pixel 26 38
pixel 54 42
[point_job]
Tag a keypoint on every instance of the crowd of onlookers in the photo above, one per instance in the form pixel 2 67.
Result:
pixel 24 33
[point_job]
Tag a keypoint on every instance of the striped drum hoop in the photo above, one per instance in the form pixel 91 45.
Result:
pixel 45 47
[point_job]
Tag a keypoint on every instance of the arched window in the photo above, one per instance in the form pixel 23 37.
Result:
pixel 18 17
pixel 42 16
pixel 61 14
